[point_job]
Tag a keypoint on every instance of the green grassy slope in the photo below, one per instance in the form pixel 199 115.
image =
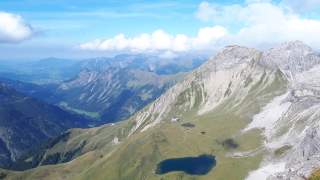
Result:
pixel 136 157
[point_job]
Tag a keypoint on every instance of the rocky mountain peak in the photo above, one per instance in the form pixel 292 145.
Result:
pixel 295 46
pixel 291 58
pixel 232 56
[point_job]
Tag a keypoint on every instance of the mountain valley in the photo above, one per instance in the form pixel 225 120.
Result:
pixel 255 112
pixel 106 89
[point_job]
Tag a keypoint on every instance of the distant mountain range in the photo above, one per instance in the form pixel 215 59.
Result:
pixel 45 71
pixel 105 89
pixel 56 70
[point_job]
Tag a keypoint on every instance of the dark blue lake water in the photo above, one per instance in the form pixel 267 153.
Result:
pixel 200 165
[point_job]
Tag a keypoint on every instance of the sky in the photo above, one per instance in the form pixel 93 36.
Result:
pixel 31 29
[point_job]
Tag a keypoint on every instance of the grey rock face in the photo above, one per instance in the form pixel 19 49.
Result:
pixel 298 127
pixel 304 159
pixel 291 57
pixel 310 144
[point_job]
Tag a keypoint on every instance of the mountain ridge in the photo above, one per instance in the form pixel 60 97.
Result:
pixel 224 99
pixel 27 122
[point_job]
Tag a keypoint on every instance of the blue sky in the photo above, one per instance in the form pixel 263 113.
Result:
pixel 60 26
pixel 83 20
pixel 68 22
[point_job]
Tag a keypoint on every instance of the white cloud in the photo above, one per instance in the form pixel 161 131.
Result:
pixel 208 36
pixel 258 1
pixel 301 6
pixel 159 40
pixel 206 11
pixel 255 23
pixel 13 28
pixel 260 22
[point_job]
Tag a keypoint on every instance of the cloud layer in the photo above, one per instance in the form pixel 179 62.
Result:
pixel 255 23
pixel 159 40
pixel 302 6
pixel 13 28
pixel 262 22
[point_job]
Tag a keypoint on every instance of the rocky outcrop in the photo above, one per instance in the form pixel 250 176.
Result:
pixel 297 126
